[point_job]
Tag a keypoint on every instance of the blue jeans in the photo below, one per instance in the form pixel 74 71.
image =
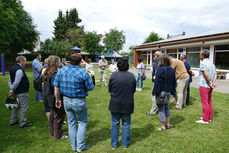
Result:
pixel 139 78
pixel 115 119
pixel 37 95
pixel 163 111
pixel 76 110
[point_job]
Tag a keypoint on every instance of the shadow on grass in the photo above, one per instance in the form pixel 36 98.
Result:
pixel 139 134
pixel 92 124
pixel 177 119
pixel 147 88
pixel 94 137
pixel 191 100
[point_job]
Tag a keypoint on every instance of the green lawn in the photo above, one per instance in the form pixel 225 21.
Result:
pixel 186 136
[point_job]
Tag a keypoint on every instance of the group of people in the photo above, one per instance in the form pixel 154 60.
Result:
pixel 169 73
pixel 66 87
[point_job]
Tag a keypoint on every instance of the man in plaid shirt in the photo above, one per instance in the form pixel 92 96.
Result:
pixel 73 83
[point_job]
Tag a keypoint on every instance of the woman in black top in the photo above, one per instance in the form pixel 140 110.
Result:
pixel 164 81
pixel 57 115
pixel 122 85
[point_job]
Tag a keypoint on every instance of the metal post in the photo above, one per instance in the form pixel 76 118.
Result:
pixel 3 65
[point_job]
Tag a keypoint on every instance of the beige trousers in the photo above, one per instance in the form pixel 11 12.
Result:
pixel 182 86
pixel 103 77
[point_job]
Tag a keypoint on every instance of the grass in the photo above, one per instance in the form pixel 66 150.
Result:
pixel 185 137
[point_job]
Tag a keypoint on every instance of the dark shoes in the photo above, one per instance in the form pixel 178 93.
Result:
pixel 15 123
pixel 26 125
pixel 84 149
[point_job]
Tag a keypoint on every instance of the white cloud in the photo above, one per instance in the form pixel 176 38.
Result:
pixel 136 17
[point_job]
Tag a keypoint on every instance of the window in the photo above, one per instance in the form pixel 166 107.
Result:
pixel 194 59
pixel 193 49
pixel 206 47
pixel 222 47
pixel 221 60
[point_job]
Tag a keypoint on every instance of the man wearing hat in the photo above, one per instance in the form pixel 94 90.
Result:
pixel 102 71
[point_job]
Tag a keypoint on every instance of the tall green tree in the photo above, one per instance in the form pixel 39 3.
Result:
pixel 92 43
pixel 64 23
pixel 114 40
pixel 17 31
pixel 152 37
pixel 73 19
pixel 60 27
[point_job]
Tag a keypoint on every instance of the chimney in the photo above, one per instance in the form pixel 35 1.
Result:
pixel 168 36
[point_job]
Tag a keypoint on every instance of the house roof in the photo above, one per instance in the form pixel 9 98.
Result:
pixel 188 37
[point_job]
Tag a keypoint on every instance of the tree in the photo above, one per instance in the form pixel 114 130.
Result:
pixel 92 43
pixel 59 48
pixel 76 37
pixel 60 27
pixel 17 31
pixel 66 22
pixel 131 53
pixel 114 40
pixel 152 37
pixel 72 18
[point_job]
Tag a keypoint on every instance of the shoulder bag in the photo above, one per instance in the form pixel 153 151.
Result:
pixel 163 97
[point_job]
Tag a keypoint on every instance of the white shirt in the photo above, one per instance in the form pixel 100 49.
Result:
pixel 113 68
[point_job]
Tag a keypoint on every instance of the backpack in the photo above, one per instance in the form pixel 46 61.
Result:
pixel 37 83
pixel 48 91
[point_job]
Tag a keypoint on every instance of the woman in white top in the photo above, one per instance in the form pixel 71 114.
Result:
pixel 141 71
pixel 90 70
pixel 113 66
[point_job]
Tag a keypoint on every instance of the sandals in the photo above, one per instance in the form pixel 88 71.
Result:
pixel 64 137
pixel 169 126
pixel 161 129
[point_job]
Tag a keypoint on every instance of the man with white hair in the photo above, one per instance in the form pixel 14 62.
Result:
pixel 155 67
pixel 102 71
pixel 19 87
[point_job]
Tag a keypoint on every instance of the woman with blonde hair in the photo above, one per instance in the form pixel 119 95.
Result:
pixel 57 115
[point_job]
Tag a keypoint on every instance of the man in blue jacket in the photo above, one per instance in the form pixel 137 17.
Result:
pixel 19 87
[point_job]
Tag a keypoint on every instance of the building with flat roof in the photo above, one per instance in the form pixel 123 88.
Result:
pixel 217 42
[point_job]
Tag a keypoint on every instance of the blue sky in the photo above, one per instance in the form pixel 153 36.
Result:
pixel 136 17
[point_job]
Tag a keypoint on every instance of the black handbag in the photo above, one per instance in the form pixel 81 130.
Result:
pixel 37 84
pixel 163 97
pixel 143 76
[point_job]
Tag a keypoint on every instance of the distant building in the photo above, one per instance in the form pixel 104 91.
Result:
pixel 217 42
pixel 37 44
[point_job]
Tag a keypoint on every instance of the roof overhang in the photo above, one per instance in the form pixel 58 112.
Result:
pixel 188 42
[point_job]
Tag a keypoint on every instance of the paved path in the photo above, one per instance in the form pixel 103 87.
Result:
pixel 222 85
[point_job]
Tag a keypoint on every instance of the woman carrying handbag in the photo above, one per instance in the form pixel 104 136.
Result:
pixel 164 85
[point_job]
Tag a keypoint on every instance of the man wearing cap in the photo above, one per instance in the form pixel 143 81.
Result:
pixel 102 71
pixel 19 87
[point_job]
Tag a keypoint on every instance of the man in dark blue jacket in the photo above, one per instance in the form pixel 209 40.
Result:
pixel 155 67
pixel 183 58
pixel 19 87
